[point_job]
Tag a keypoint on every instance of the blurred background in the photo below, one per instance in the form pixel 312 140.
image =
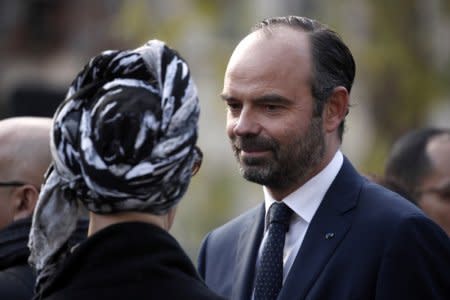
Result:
pixel 401 48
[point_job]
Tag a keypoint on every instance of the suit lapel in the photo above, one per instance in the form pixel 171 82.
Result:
pixel 247 250
pixel 327 229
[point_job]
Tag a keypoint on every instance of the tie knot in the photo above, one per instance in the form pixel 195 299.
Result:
pixel 280 213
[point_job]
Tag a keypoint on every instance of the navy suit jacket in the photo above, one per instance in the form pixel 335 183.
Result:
pixel 364 242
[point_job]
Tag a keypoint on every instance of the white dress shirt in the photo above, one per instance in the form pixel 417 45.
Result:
pixel 304 203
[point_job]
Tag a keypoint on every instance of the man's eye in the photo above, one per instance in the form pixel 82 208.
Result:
pixel 272 108
pixel 445 193
pixel 234 106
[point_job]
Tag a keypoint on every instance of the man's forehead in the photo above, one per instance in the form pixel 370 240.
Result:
pixel 282 45
pixel 438 149
pixel 276 35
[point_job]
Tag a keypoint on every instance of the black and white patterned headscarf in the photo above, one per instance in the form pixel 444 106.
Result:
pixel 123 140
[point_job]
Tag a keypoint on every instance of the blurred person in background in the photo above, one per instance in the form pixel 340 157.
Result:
pixel 323 231
pixel 124 147
pixel 418 167
pixel 24 158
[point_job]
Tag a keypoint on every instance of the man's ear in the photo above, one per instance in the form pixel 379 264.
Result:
pixel 335 109
pixel 25 198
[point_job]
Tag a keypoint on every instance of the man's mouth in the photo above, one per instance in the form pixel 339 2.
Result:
pixel 252 148
pixel 253 152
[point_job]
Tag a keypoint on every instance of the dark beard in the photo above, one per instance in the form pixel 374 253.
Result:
pixel 288 165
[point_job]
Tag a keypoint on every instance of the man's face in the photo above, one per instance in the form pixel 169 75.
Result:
pixel 270 123
pixel 434 196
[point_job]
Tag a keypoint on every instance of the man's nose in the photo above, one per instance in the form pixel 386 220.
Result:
pixel 246 124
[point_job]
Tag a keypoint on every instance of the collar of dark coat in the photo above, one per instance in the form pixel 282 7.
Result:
pixel 13 244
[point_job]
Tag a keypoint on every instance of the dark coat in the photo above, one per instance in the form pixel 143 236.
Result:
pixel 364 242
pixel 16 277
pixel 128 261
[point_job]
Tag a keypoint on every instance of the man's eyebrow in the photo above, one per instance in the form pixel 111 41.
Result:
pixel 273 98
pixel 268 98
pixel 443 187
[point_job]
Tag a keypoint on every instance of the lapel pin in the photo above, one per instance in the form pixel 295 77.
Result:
pixel 329 235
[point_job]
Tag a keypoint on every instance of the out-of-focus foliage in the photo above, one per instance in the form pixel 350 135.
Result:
pixel 402 75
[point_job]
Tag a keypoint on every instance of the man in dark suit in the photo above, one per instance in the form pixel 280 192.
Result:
pixel 287 88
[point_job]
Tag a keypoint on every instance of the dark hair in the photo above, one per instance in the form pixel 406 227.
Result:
pixel 333 63
pixel 408 164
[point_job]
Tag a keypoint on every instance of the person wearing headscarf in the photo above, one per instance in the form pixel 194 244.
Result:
pixel 123 144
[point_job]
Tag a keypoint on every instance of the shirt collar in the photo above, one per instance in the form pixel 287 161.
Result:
pixel 306 199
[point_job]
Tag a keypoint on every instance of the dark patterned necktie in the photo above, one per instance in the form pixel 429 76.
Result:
pixel 269 274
